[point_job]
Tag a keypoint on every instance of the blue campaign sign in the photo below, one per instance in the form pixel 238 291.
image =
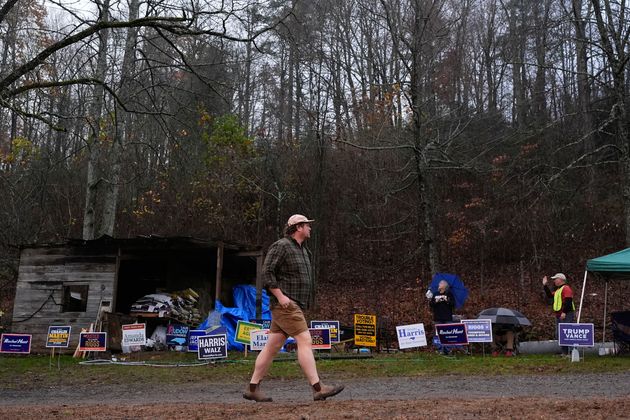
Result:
pixel 193 336
pixel 320 338
pixel 93 341
pixel 333 326
pixel 15 343
pixel 266 323
pixel 176 334
pixel 212 346
pixel 580 335
pixel 58 336
pixel 478 330
pixel 451 334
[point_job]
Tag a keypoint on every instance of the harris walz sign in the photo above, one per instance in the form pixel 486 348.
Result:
pixel 212 346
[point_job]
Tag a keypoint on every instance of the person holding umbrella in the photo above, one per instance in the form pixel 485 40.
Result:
pixel 446 293
pixel 562 300
pixel 442 303
pixel 506 324
pixel 503 335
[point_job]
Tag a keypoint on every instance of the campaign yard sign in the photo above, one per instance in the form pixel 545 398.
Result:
pixel 58 336
pixel 579 335
pixel 93 341
pixel 15 343
pixel 193 336
pixel 333 326
pixel 258 339
pixel 452 334
pixel 243 330
pixel 212 346
pixel 365 330
pixel 134 335
pixel 176 334
pixel 320 337
pixel 478 330
pixel 410 336
pixel 266 323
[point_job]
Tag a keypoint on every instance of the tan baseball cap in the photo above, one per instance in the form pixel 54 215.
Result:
pixel 297 219
pixel 559 276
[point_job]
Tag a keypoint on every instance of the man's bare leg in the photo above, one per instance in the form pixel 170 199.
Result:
pixel 266 355
pixel 305 356
pixel 307 363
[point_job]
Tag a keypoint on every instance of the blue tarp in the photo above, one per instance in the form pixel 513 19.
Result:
pixel 245 310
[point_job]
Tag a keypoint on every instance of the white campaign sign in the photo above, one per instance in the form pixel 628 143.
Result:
pixel 134 335
pixel 411 336
pixel 258 339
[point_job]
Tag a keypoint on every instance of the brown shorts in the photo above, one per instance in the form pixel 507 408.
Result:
pixel 289 321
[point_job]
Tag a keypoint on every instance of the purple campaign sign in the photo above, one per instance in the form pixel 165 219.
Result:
pixel 478 330
pixel 450 334
pixel 580 335
pixel 15 343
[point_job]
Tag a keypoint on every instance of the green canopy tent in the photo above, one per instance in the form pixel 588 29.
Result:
pixel 611 266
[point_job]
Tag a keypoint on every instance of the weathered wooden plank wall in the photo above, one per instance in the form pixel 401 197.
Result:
pixel 43 273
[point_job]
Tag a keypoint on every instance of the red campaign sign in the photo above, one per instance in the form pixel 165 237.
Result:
pixel 93 341
pixel 320 338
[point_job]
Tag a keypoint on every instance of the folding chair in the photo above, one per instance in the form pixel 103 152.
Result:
pixel 621 331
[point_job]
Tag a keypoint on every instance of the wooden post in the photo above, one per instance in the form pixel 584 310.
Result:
pixel 259 286
pixel 219 271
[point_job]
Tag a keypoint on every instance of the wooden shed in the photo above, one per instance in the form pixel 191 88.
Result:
pixel 71 282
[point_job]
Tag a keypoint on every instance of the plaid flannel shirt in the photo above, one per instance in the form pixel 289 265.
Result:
pixel 288 267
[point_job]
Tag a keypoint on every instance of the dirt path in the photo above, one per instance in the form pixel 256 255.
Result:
pixel 605 395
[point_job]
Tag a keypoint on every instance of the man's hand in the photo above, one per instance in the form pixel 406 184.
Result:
pixel 544 281
pixel 563 315
pixel 284 301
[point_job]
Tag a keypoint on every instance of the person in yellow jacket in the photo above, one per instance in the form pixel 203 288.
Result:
pixel 562 298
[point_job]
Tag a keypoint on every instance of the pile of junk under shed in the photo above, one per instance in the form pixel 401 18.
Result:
pixel 181 306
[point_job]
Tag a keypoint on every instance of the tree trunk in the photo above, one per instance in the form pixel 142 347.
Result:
pixel 93 177
pixel 418 93
pixel 124 128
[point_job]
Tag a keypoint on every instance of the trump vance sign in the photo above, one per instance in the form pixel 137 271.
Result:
pixel 581 335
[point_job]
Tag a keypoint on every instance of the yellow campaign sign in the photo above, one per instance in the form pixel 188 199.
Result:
pixel 365 330
pixel 243 329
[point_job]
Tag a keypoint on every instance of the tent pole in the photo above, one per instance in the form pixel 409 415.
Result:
pixel 582 297
pixel 605 305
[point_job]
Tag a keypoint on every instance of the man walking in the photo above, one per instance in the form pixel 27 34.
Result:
pixel 563 306
pixel 287 277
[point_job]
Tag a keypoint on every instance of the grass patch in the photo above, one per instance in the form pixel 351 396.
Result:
pixel 34 371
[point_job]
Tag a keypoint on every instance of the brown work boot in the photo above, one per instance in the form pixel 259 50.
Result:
pixel 254 393
pixel 321 391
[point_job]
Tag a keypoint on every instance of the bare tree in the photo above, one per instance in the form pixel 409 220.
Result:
pixel 613 26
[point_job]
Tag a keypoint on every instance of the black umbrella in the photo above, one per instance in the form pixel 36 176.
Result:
pixel 504 316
